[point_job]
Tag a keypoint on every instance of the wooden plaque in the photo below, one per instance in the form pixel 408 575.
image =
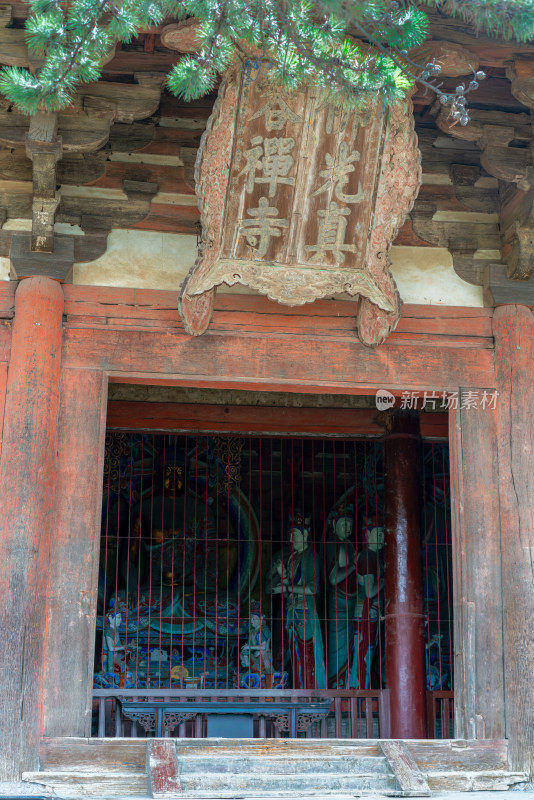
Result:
pixel 301 201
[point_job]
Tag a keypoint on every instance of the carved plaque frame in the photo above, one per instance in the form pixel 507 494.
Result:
pixel 300 201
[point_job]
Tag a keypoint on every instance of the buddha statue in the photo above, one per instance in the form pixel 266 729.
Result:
pixel 176 531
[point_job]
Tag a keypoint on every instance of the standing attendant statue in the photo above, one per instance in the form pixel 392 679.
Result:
pixel 342 593
pixel 295 574
pixel 370 575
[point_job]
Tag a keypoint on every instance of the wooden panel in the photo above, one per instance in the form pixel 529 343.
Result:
pixel 478 668
pixel 253 419
pixel 514 352
pixel 71 604
pixel 252 312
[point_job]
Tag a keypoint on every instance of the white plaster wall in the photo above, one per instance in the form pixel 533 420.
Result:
pixel 151 260
pixel 425 275
pixel 140 260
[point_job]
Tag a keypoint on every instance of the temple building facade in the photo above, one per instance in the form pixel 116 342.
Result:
pixel 267 458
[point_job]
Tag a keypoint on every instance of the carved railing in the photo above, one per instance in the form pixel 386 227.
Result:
pixel 353 714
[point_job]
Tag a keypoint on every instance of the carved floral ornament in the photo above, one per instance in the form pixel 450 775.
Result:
pixel 300 201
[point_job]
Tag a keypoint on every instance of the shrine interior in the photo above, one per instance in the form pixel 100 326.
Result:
pixel 237 563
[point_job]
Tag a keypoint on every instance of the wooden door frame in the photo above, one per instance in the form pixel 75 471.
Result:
pixel 131 336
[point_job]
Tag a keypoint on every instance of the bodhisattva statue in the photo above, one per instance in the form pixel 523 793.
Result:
pixel 370 575
pixel 342 593
pixel 295 574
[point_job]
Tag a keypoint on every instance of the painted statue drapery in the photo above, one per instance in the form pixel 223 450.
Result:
pixel 296 575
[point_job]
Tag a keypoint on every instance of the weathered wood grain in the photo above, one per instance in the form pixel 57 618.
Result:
pixel 514 350
pixel 272 361
pixel 252 312
pixel 407 773
pixel 73 579
pixel 3 388
pixel 478 666
pixel 27 527
pixel 7 299
pixel 467 755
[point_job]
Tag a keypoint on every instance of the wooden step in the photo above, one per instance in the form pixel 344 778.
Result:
pixel 292 764
pixel 325 747
pixel 459 754
pixel 98 784
pixel 491 780
pixel 319 782
pixel 79 754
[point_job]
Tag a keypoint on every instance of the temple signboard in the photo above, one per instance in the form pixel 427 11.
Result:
pixel 301 201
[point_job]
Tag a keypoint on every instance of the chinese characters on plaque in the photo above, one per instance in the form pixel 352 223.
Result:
pixel 300 201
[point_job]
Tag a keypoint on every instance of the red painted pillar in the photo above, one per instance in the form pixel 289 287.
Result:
pixel 27 483
pixel 403 579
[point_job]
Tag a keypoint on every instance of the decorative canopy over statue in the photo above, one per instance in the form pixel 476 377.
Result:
pixel 301 201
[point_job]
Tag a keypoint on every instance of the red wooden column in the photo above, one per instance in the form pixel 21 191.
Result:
pixel 75 550
pixel 27 483
pixel 403 579
pixel 513 328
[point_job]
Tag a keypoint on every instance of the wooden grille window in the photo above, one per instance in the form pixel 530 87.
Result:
pixel 234 564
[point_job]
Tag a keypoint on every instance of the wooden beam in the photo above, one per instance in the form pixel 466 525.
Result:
pixel 499 289
pixel 139 415
pixel 277 362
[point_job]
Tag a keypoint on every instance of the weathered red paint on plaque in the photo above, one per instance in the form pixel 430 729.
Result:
pixel 301 201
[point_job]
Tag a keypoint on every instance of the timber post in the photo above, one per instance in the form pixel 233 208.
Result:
pixel 513 327
pixel 477 604
pixel 27 488
pixel 403 578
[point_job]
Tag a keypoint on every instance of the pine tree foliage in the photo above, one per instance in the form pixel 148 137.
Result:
pixel 351 49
